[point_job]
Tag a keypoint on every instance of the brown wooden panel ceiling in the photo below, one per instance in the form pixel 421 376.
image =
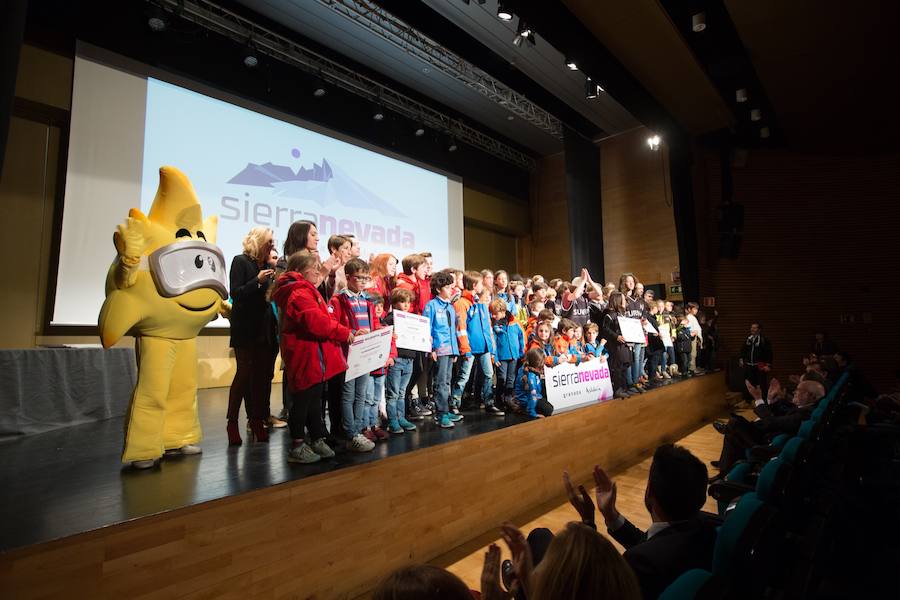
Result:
pixel 828 67
pixel 641 35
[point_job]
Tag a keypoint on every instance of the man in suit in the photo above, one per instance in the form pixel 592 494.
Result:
pixel 774 419
pixel 679 539
pixel 756 358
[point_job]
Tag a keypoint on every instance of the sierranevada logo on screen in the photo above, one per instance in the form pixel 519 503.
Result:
pixel 275 196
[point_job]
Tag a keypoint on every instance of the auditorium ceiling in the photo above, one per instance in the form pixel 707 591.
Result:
pixel 473 32
pixel 829 68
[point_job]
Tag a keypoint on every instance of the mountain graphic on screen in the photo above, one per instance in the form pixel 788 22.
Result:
pixel 324 184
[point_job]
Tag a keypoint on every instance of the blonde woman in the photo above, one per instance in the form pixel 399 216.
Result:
pixel 576 563
pixel 252 336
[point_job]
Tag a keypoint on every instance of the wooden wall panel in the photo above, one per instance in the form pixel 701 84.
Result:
pixel 547 251
pixel 487 249
pixel 335 535
pixel 820 242
pixel 638 223
pixel 493 224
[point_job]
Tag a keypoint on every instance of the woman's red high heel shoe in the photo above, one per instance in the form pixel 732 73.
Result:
pixel 234 434
pixel 258 430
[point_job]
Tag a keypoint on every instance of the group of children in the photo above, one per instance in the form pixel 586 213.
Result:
pixel 491 335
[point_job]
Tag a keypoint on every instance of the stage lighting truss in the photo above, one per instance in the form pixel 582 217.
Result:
pixel 220 20
pixel 413 42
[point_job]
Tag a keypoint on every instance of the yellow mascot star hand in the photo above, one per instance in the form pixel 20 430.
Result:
pixel 134 235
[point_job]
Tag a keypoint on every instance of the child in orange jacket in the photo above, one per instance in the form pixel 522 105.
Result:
pixel 564 345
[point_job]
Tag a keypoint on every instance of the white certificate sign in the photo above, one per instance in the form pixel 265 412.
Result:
pixel 666 338
pixel 649 328
pixel 571 385
pixel 369 352
pixel 413 331
pixel 632 330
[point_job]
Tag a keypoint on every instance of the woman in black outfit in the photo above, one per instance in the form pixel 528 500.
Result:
pixel 619 353
pixel 252 336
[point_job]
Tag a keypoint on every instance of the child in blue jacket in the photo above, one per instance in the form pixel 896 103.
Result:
pixel 439 311
pixel 594 345
pixel 510 341
pixel 528 386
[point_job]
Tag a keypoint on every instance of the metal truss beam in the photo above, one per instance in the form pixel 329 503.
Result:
pixel 240 29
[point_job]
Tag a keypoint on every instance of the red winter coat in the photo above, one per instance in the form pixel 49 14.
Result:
pixel 310 336
pixel 343 313
pixel 424 292
pixel 417 287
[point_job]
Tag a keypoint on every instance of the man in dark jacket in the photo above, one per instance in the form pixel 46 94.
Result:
pixel 679 538
pixel 781 417
pixel 756 358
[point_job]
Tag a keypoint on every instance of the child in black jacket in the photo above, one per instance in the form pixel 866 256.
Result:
pixel 683 342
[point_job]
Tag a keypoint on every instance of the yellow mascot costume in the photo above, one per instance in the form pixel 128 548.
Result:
pixel 167 282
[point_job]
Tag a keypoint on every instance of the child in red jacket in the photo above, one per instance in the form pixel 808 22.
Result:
pixel 352 308
pixel 311 352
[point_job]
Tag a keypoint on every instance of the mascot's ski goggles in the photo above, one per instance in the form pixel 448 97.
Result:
pixel 185 266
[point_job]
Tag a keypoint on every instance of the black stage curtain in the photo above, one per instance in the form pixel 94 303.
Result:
pixel 680 165
pixel 12 30
pixel 585 213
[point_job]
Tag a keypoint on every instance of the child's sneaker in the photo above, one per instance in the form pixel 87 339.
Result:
pixel 493 410
pixel 445 421
pixel 369 435
pixel 406 425
pixel 321 447
pixel 454 410
pixel 380 434
pixel 303 454
pixel 359 443
pixel 454 417
pixel 423 410
pixel 394 427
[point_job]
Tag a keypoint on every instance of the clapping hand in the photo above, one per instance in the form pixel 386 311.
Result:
pixel 332 263
pixel 490 577
pixel 523 564
pixel 580 500
pixel 754 390
pixel 606 495
pixel 775 390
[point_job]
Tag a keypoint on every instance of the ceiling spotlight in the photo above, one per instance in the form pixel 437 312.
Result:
pixel 318 87
pixel 452 147
pixel 755 114
pixel 509 117
pixel 250 57
pixel 653 142
pixel 503 13
pixel 741 95
pixel 378 113
pixel 523 33
pixel 764 132
pixel 156 19
pixel 591 89
pixel 570 64
pixel 420 131
pixel 698 22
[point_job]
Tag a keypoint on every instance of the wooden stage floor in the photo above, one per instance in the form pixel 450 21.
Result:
pixel 71 480
pixel 242 522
